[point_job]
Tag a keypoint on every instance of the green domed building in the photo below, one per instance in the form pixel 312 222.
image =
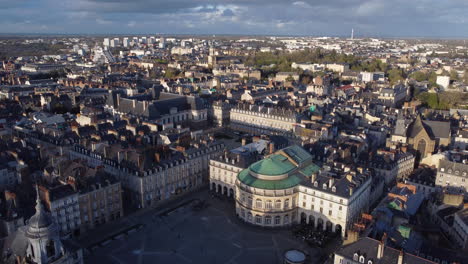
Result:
pixel 266 192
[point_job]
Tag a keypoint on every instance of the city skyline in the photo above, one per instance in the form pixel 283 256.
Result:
pixel 374 18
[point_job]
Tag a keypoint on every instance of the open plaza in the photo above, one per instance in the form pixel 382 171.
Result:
pixel 210 233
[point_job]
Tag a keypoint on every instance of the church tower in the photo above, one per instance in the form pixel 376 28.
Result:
pixel 44 244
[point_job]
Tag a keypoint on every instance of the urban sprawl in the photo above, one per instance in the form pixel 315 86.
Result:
pixel 233 149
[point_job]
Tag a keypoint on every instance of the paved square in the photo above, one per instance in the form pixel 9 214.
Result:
pixel 212 235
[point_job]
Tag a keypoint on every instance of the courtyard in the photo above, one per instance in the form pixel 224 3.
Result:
pixel 188 234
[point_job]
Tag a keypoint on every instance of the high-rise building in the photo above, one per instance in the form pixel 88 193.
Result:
pixel 114 42
pixel 106 42
pixel 126 42
pixel 162 43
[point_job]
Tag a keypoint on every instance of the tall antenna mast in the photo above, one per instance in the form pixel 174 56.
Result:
pixel 352 33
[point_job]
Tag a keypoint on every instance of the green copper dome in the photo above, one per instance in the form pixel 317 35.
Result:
pixel 246 178
pixel 273 165
pixel 283 170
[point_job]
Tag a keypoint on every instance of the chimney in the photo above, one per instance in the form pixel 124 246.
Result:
pixel 244 141
pixel 272 147
pixel 72 183
pixel 349 177
pixel 400 257
pixel 331 181
pixel 117 99
pixel 360 169
pixel 314 177
pixel 351 190
pixel 381 247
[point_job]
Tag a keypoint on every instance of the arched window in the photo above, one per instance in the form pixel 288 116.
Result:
pixel 369 262
pixel 267 220
pixel 355 257
pixel 361 259
pixel 422 147
pixel 258 219
pixel 268 204
pixel 278 204
pixel 258 203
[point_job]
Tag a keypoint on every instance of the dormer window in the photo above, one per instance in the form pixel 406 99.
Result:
pixel 333 189
pixel 324 186
pixel 361 259
pixel 369 262
pixel 442 169
pixel 315 184
pixel 449 170
pixel 355 257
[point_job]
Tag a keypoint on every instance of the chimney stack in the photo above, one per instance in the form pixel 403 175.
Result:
pixel 400 257
pixel 314 177
pixel 380 249
pixel 272 147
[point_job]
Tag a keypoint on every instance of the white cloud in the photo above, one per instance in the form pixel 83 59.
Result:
pixel 101 21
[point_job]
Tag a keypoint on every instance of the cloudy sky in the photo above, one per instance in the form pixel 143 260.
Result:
pixel 379 18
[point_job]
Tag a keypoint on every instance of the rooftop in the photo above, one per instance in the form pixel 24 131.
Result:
pixel 273 165
pixel 282 170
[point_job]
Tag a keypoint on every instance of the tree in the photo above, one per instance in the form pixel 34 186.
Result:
pixel 171 73
pixel 290 78
pixel 432 79
pixel 419 76
pixel 395 75
pixel 454 75
pixel 444 100
pixel 465 76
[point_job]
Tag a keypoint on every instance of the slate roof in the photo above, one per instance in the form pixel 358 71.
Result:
pixel 368 248
pixel 156 108
pixel 435 129
pixel 61 191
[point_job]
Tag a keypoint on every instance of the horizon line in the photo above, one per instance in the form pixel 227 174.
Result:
pixel 240 35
